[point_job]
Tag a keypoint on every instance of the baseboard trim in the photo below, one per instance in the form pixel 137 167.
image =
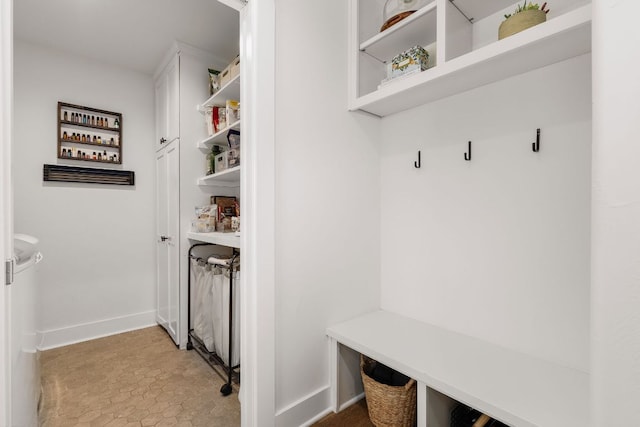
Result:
pixel 61 337
pixel 311 408
pixel 307 410
pixel 351 401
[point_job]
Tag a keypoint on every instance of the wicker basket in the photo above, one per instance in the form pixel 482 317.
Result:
pixel 521 21
pixel 389 406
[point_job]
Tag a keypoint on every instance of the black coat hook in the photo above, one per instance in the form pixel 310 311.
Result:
pixel 417 163
pixel 467 156
pixel 536 145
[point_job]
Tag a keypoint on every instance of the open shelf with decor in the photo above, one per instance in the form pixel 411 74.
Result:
pixel 461 38
pixel 218 138
pixel 226 178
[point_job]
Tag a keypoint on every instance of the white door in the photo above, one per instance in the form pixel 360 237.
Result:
pixel 168 258
pixel 162 313
pixel 173 232
pixel 19 376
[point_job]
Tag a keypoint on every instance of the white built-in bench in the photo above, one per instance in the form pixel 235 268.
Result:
pixel 515 388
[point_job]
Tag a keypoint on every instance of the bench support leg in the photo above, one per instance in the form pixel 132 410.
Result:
pixel 334 361
pixel 421 407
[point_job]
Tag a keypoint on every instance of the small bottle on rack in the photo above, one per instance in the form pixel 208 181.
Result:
pixel 101 124
pixel 65 136
pixel 84 119
pixel 64 152
pixel 106 122
pixel 94 139
pixel 99 156
pixel 116 124
pixel 95 157
pixel 84 138
pixel 66 117
pixel 99 140
pixel 104 155
pixel 111 141
pixel 93 120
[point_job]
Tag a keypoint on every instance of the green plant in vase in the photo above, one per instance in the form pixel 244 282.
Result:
pixel 525 16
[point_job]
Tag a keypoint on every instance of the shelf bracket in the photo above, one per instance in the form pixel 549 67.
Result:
pixel 461 12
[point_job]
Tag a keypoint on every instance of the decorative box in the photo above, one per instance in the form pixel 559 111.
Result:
pixel 233 111
pixel 410 60
pixel 222 161
pixel 225 76
pixel 234 67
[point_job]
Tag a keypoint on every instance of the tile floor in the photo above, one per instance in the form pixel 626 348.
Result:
pixel 354 416
pixel 133 379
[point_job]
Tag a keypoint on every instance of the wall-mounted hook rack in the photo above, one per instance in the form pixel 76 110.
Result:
pixel 418 162
pixel 535 146
pixel 467 156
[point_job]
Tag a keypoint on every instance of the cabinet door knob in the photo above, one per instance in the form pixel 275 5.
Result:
pixel 163 140
pixel 164 238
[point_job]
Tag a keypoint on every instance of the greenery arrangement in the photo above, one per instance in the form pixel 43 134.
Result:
pixel 530 6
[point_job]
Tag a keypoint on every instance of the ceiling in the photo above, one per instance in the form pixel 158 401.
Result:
pixel 135 34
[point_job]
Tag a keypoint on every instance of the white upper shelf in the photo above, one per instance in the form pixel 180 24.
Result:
pixel 558 39
pixel 226 178
pixel 418 29
pixel 218 138
pixel 229 91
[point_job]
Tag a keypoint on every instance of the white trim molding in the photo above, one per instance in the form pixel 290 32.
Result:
pixel 60 337
pixel 6 205
pixel 257 55
pixel 234 4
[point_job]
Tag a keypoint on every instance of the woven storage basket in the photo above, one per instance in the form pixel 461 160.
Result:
pixel 389 406
pixel 521 21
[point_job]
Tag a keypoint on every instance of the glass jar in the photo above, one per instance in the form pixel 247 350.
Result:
pixel 396 10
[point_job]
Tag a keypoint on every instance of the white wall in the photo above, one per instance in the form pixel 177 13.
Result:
pixel 98 274
pixel 327 202
pixel 498 247
pixel 616 215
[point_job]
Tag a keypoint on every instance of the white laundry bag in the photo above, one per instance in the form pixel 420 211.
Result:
pixel 201 303
pixel 220 309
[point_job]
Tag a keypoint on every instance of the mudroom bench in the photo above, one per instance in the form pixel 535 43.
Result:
pixel 515 388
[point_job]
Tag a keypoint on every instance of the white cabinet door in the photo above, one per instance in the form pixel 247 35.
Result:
pixel 168 104
pixel 173 99
pixel 161 111
pixel 168 225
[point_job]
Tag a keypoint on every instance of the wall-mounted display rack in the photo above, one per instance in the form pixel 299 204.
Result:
pixel 89 134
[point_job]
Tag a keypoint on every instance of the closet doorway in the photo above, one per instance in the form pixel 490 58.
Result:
pixel 101 269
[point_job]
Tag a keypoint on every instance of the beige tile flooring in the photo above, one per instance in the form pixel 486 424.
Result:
pixel 133 379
